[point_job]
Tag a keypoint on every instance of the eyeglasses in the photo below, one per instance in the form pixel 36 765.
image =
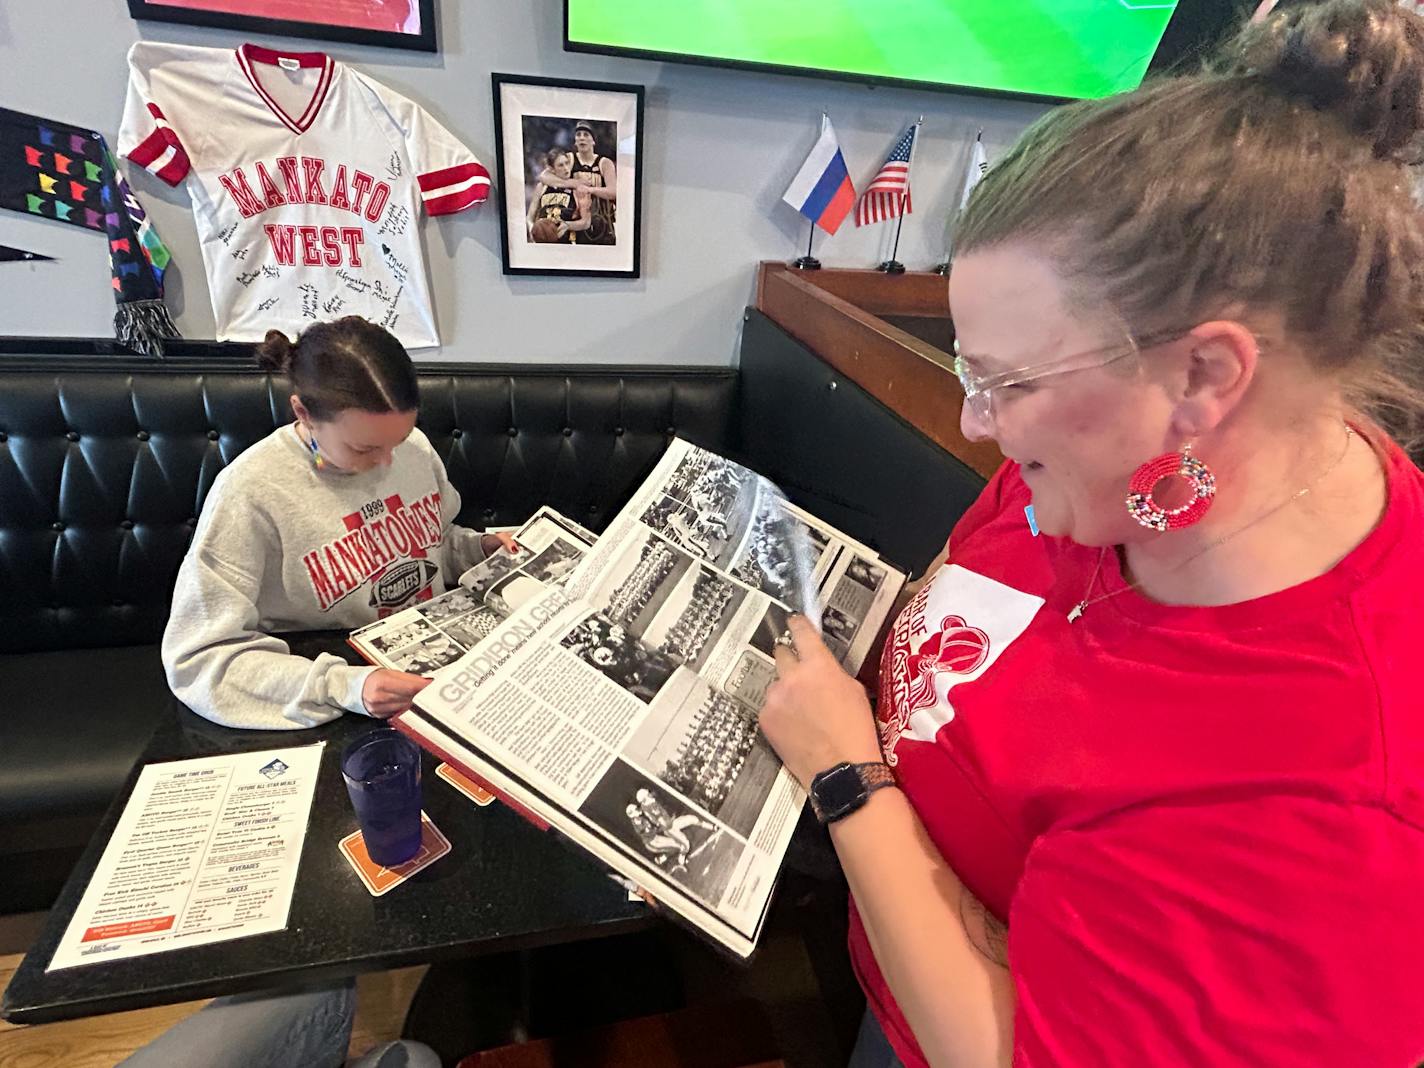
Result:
pixel 978 389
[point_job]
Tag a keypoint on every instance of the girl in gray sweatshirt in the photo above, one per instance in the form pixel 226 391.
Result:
pixel 328 523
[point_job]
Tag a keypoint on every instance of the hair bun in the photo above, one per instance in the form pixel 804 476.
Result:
pixel 275 352
pixel 1362 59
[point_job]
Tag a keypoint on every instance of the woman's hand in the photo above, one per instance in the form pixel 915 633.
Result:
pixel 493 543
pixel 815 715
pixel 386 692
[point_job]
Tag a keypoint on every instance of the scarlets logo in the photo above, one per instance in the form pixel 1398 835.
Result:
pixel 400 583
pixel 908 679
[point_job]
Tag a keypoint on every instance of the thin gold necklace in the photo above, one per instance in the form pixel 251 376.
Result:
pixel 1087 602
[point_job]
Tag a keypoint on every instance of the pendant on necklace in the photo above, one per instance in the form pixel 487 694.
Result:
pixel 1076 611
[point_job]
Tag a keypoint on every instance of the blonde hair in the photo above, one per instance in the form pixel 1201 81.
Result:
pixel 1274 180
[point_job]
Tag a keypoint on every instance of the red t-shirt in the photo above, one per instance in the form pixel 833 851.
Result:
pixel 1204 826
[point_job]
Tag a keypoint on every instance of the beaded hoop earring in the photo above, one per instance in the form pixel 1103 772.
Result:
pixel 318 460
pixel 1199 477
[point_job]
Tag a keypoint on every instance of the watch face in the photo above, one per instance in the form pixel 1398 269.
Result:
pixel 838 792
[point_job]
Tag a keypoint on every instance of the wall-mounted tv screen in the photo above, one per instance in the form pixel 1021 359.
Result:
pixel 1048 49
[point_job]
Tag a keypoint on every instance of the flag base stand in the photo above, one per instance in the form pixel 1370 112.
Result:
pixel 942 268
pixel 892 267
pixel 807 263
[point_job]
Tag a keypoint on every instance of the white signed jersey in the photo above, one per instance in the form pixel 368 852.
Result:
pixel 306 178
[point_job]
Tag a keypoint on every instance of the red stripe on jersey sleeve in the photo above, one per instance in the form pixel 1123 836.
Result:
pixel 176 169
pixel 153 147
pixel 453 202
pixel 457 175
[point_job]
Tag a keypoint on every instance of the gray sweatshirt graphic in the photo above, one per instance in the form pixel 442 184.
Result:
pixel 281 547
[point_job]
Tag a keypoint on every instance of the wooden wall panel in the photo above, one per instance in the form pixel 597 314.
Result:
pixel 828 311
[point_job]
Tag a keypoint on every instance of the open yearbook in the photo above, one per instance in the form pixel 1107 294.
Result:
pixel 608 686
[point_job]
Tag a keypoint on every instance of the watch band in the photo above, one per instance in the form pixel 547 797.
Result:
pixel 875 774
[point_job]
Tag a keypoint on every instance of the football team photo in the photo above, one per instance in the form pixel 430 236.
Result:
pixel 706 745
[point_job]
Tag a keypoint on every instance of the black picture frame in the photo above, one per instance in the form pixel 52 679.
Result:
pixel 424 41
pixel 526 107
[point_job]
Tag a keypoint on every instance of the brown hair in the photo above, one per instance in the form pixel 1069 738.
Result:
pixel 347 363
pixel 1274 179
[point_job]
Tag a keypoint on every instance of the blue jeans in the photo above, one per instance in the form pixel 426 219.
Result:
pixel 872 1048
pixel 300 1029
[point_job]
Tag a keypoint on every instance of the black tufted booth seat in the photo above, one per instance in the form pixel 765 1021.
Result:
pixel 105 460
pixel 104 465
pixel 104 468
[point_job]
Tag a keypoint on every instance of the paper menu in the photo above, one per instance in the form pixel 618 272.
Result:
pixel 206 850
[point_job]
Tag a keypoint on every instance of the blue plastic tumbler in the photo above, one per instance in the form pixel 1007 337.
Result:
pixel 382 773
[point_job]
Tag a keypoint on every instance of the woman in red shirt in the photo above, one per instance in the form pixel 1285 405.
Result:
pixel 1159 772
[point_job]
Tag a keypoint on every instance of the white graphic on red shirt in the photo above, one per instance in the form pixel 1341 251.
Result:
pixel 384 545
pixel 908 680
pixel 934 649
pixel 956 650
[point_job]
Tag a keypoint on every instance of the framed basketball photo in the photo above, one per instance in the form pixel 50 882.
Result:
pixel 570 163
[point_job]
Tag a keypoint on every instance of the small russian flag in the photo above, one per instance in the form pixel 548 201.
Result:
pixel 821 190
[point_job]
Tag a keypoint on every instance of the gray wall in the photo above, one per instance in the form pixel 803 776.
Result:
pixel 720 147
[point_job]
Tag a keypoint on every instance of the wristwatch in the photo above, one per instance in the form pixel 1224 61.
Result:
pixel 838 791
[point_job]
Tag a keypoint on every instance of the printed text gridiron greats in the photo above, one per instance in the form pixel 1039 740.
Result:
pixel 477 669
pixel 304 180
pixel 379 533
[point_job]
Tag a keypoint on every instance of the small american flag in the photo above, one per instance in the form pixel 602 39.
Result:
pixel 889 190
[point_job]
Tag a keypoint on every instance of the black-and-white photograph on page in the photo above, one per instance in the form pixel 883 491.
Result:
pixel 678 840
pixel 554 563
pixel 484 575
pixel 398 637
pixel 667 599
pixel 449 605
pixel 707 746
pixel 619 656
pixel 867 574
pixel 469 629
pixel 428 656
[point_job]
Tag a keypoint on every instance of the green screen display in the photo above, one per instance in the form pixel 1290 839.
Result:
pixel 1047 48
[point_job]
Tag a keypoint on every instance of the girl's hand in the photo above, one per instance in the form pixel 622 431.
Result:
pixel 493 543
pixel 815 715
pixel 387 693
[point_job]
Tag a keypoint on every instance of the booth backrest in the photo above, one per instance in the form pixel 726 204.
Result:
pixel 105 462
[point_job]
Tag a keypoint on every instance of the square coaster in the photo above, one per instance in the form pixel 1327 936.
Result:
pixel 379 880
pixel 466 785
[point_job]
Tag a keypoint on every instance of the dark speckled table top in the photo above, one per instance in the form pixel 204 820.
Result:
pixel 504 885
